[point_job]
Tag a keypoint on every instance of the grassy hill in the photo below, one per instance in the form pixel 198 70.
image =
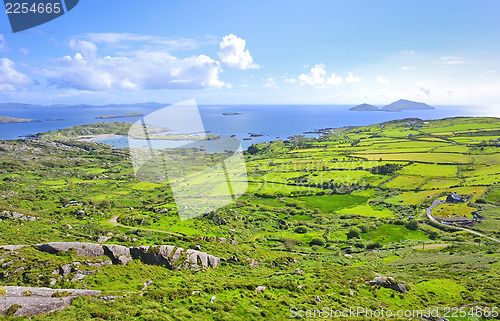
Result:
pixel 318 217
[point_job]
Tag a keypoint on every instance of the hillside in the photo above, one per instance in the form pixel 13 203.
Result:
pixel 334 222
pixel 403 104
pixel 365 107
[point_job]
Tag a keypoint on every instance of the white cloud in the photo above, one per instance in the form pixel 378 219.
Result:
pixel 125 40
pixel 318 77
pixel 407 68
pixel 352 79
pixel 270 83
pixel 382 80
pixel 86 48
pixel 291 80
pixel 233 54
pixel 24 51
pixel 86 70
pixel 10 78
pixel 451 60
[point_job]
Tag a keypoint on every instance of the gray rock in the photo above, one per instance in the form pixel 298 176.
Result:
pixel 102 239
pixel 80 275
pixel 65 270
pixel 317 299
pixel 212 299
pixel 299 271
pixel 13 247
pixel 117 253
pixel 388 282
pixel 82 249
pixel 40 301
pixel 259 289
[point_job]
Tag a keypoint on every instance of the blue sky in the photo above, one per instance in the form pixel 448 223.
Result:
pixel 269 52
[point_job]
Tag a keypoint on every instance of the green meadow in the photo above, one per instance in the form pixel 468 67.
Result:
pixel 319 216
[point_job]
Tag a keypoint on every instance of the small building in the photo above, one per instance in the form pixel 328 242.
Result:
pixel 454 198
pixel 73 203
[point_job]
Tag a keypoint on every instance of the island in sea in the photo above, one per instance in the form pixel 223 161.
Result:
pixel 231 114
pixel 399 105
pixel 120 116
pixel 9 120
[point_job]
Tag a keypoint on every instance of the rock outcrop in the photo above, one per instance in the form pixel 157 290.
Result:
pixel 29 301
pixel 165 255
pixel 82 249
pixel 388 282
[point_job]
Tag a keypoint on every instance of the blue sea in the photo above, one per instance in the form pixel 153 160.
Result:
pixel 272 121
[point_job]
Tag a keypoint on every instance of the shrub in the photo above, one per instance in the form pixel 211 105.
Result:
pixel 317 241
pixel 301 230
pixel 12 310
pixel 412 225
pixel 354 232
pixel 372 246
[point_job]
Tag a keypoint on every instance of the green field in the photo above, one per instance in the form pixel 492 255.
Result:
pixel 318 218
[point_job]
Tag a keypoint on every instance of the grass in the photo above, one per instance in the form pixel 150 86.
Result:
pixel 331 203
pixel 264 221
pixel 366 211
pixel 389 233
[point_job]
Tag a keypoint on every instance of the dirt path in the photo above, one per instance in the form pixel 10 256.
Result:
pixel 431 217
pixel 113 222
pixel 429 246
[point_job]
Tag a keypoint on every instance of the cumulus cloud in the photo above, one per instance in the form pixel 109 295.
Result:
pixel 382 80
pixel 10 78
pixel 86 70
pixel 352 79
pixel 86 48
pixel 233 54
pixel 317 77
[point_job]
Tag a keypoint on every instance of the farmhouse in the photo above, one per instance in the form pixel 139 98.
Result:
pixel 454 198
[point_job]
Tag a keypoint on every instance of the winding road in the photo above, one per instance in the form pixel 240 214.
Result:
pixel 433 219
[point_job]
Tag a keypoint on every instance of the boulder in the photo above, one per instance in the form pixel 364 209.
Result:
pixel 388 282
pixel 40 301
pixel 117 253
pixel 82 249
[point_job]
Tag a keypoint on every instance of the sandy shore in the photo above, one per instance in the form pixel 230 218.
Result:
pixel 93 138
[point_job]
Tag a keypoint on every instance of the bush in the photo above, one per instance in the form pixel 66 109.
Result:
pixel 301 230
pixel 412 225
pixel 354 232
pixel 373 246
pixel 317 241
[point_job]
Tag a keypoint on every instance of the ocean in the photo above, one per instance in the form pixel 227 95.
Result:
pixel 271 121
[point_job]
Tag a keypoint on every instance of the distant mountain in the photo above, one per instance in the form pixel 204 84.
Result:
pixel 365 107
pixel 403 104
pixel 18 105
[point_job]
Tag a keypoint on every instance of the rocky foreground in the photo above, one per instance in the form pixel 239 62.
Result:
pixel 29 301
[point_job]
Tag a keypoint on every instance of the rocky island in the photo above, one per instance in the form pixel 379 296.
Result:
pixel 399 105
